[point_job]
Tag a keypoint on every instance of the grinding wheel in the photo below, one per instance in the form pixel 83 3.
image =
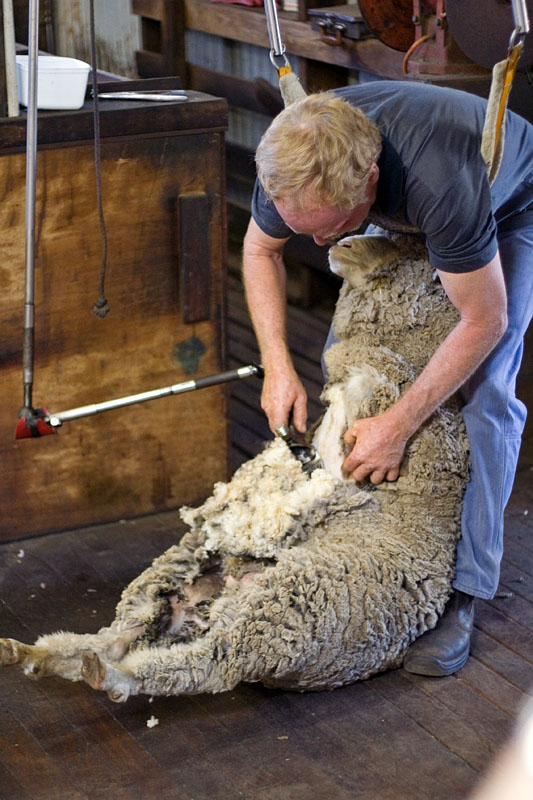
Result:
pixel 482 30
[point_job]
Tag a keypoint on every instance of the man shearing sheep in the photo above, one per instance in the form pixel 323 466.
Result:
pixel 405 155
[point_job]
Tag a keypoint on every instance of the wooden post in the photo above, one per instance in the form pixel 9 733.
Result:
pixel 195 273
pixel 163 38
pixel 46 24
pixel 9 59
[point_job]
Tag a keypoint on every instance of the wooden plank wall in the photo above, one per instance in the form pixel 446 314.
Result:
pixel 163 190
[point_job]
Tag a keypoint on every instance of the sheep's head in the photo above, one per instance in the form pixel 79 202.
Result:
pixel 356 257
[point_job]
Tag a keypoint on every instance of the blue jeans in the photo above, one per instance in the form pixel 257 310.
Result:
pixel 494 419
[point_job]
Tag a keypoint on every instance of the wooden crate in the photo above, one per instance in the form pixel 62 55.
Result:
pixel 164 206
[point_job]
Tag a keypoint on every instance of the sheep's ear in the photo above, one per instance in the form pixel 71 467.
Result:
pixel 358 256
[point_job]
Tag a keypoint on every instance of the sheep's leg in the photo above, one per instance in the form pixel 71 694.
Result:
pixel 36 661
pixel 206 664
pixel 13 652
pixel 62 653
pixel 192 668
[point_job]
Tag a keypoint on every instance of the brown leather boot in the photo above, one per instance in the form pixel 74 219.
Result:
pixel 444 650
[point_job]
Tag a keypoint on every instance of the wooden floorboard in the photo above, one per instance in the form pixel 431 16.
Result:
pixel 395 737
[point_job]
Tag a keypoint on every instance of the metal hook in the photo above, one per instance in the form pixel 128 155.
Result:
pixel 516 37
pixel 274 55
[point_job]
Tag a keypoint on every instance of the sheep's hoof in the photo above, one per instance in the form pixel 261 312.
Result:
pixel 10 652
pixel 93 671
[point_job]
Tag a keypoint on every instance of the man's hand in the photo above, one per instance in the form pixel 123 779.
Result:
pixel 283 392
pixel 377 449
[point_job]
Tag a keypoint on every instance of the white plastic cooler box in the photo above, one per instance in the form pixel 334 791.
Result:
pixel 61 82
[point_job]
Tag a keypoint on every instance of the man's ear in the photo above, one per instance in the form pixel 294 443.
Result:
pixel 373 174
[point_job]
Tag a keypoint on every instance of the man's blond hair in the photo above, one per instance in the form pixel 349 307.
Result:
pixel 322 144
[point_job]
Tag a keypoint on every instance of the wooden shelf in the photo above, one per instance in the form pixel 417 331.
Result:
pixel 245 24
pixel 322 66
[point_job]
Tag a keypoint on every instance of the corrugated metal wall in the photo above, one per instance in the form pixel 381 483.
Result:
pixel 242 61
pixel 117 33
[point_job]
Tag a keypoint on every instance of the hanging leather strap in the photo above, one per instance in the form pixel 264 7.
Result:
pixel 503 73
pixel 510 71
pixel 493 137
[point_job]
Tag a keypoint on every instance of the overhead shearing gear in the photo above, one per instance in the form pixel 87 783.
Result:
pixel 502 80
pixel 516 45
pixel 277 48
pixel 289 85
pixel 39 422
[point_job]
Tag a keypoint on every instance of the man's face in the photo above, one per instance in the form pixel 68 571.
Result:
pixel 327 223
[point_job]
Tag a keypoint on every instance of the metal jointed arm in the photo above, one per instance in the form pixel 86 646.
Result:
pixel 57 419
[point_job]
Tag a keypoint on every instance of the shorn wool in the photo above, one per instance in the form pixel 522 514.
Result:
pixel 302 581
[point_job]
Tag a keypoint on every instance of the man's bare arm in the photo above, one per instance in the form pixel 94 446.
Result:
pixel 265 284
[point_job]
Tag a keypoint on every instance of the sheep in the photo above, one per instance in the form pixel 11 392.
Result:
pixel 302 581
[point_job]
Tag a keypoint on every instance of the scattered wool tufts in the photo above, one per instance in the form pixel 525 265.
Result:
pixel 302 582
pixel 281 496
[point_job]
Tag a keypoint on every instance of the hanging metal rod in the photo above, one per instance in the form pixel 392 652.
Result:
pixel 31 169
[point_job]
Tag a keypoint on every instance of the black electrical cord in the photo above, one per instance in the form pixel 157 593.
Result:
pixel 101 307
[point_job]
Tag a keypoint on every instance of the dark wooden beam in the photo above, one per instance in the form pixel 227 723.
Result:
pixel 254 95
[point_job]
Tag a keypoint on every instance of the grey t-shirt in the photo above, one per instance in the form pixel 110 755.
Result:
pixel 432 175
